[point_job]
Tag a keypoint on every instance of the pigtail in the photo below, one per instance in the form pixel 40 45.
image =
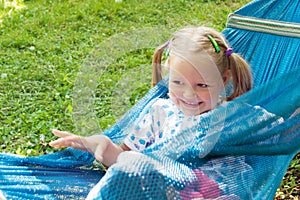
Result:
pixel 241 75
pixel 156 64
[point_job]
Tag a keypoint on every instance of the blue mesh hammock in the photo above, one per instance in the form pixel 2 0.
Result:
pixel 241 150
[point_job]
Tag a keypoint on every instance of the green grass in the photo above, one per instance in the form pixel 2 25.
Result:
pixel 44 45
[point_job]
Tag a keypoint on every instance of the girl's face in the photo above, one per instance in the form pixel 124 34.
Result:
pixel 194 89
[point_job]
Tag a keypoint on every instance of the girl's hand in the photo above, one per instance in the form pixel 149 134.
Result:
pixel 101 146
pixel 70 140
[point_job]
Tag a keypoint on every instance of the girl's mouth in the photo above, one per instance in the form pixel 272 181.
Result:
pixel 191 104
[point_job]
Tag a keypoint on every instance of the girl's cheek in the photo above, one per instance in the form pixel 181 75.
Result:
pixel 174 98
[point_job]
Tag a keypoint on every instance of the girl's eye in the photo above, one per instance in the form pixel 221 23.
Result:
pixel 178 82
pixel 202 85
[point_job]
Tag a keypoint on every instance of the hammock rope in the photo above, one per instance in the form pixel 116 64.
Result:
pixel 263 25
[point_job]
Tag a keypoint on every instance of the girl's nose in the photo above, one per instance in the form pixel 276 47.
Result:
pixel 189 93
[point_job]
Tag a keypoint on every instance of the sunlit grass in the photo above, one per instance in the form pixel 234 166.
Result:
pixel 8 7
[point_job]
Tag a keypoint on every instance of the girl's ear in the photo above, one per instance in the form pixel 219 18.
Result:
pixel 226 76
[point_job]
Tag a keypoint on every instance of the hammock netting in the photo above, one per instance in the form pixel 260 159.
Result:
pixel 241 150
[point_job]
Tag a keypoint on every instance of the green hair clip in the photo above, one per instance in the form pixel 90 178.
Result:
pixel 214 43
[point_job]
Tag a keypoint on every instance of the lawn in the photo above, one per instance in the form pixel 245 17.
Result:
pixel 45 44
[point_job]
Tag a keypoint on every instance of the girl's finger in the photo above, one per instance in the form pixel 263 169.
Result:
pixel 75 141
pixel 59 133
pixel 58 143
pixel 66 141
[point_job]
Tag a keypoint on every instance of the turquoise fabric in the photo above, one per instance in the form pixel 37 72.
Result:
pixel 244 153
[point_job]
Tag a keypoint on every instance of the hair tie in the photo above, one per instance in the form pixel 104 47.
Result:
pixel 214 43
pixel 167 47
pixel 166 44
pixel 229 51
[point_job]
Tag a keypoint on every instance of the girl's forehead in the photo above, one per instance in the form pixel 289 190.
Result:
pixel 202 68
pixel 195 58
pixel 201 64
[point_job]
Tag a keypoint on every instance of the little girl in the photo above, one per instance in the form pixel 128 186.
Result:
pixel 200 63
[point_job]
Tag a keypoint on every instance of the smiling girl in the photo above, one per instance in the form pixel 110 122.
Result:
pixel 200 63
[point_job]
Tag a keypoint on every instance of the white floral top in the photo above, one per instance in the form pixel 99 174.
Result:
pixel 163 119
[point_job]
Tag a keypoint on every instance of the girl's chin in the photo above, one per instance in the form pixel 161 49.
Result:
pixel 191 111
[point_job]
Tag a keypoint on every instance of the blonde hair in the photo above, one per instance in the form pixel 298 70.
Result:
pixel 240 70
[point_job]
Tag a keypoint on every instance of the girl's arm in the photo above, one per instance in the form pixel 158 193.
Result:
pixel 101 146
